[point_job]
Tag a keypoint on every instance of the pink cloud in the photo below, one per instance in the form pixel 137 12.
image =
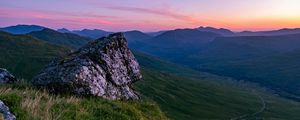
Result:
pixel 53 18
pixel 162 12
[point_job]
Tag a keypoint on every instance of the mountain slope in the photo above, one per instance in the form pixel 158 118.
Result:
pixel 285 31
pixel 176 44
pixel 185 94
pixel 183 37
pixel 64 30
pixel 25 55
pixel 280 72
pixel 22 29
pixel 181 93
pixel 239 48
pixel 135 38
pixel 94 34
pixel 58 38
pixel 221 31
pixel 267 60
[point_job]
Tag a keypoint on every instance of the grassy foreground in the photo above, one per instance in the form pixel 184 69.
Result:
pixel 31 104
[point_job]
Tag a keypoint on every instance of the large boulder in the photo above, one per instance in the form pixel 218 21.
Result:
pixel 4 110
pixel 104 67
pixel 6 77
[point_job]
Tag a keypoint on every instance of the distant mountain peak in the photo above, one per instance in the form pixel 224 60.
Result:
pixel 64 30
pixel 221 31
pixel 22 29
pixel 55 37
pixel 91 33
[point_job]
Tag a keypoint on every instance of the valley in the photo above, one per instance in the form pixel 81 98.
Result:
pixel 181 92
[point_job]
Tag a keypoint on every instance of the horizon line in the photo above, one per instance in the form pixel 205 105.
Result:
pixel 235 31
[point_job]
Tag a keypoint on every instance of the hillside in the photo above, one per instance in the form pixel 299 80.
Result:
pixel 180 92
pixel 54 37
pixel 284 31
pixel 183 37
pixel 22 29
pixel 94 34
pixel 185 94
pixel 25 55
pixel 176 44
pixel 280 71
pixel 221 31
pixel 268 60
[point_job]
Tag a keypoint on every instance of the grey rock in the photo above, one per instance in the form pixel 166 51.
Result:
pixel 104 67
pixel 6 113
pixel 6 77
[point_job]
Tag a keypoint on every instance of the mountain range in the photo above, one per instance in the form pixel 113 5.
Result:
pixel 216 50
pixel 22 29
pixel 181 92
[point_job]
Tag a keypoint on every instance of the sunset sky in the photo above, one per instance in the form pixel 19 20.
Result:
pixel 152 15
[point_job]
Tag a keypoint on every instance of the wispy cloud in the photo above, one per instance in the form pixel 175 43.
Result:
pixel 54 18
pixel 161 12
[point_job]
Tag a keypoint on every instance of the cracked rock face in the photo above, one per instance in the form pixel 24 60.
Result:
pixel 6 77
pixel 104 67
pixel 4 110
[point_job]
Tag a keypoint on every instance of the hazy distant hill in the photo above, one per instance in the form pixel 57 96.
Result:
pixel 236 48
pixel 58 38
pixel 279 71
pixel 269 60
pixel 135 38
pixel 94 34
pixel 135 35
pixel 221 31
pixel 183 37
pixel 244 57
pixel 22 29
pixel 153 34
pixel 176 44
pixel 284 31
pixel 64 30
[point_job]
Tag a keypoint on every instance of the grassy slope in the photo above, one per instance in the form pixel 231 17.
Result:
pixel 58 38
pixel 186 94
pixel 24 55
pixel 30 104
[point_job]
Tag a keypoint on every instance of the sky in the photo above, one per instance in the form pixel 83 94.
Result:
pixel 152 15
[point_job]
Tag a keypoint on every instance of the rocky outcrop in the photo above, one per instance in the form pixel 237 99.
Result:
pixel 6 77
pixel 4 110
pixel 104 67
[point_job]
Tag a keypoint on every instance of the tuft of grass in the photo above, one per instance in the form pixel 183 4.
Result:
pixel 31 104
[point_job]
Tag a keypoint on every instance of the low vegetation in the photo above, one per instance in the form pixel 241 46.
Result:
pixel 31 104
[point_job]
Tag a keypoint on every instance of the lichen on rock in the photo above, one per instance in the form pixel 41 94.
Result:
pixel 104 67
pixel 4 110
pixel 6 77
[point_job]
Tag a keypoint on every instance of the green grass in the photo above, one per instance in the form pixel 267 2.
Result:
pixel 30 104
pixel 25 56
